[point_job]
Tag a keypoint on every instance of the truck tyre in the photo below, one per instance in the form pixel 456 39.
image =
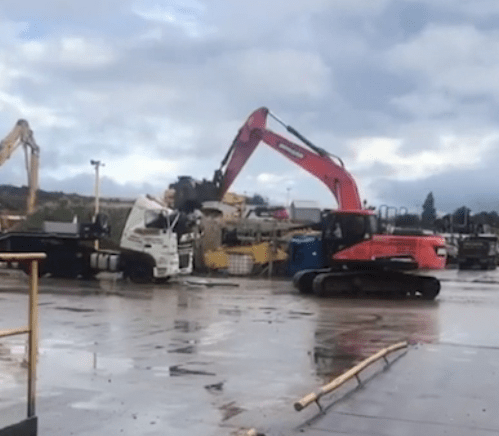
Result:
pixel 140 272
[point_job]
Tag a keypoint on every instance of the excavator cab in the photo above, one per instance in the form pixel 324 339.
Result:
pixel 342 229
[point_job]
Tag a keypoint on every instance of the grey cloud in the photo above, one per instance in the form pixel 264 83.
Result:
pixel 56 11
pixel 475 189
pixel 84 184
pixel 335 71
pixel 370 87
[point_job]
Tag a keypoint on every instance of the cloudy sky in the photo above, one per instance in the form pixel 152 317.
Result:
pixel 406 92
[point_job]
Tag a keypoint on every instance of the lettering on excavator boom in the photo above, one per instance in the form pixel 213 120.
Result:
pixel 292 152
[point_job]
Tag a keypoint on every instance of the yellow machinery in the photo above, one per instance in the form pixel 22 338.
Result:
pixel 21 134
pixel 260 254
pixel 237 201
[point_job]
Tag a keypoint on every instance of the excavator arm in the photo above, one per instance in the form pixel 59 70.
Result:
pixel 316 161
pixel 22 135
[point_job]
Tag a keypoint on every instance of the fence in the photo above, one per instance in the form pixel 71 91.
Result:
pixel 28 426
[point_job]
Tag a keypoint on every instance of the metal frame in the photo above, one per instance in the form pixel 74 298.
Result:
pixel 32 328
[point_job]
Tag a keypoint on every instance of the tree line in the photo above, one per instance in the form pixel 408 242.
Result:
pixel 460 220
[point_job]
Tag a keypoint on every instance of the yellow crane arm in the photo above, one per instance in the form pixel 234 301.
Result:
pixel 21 134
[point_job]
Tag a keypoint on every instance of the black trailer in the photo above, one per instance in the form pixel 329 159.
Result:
pixel 68 246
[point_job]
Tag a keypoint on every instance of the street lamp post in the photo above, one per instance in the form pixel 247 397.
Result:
pixel 96 164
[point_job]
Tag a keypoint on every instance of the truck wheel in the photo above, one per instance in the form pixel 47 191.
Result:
pixel 140 272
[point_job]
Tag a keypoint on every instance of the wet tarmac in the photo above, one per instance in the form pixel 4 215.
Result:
pixel 215 356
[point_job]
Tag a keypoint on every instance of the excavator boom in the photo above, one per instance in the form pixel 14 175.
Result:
pixel 317 162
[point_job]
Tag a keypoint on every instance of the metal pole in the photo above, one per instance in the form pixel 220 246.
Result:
pixel 97 189
pixel 272 250
pixel 96 164
pixel 33 336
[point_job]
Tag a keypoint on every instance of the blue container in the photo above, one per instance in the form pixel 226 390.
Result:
pixel 305 252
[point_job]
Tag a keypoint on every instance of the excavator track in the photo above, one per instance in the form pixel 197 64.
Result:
pixel 360 283
pixel 303 280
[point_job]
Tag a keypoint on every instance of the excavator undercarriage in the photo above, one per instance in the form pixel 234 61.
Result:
pixel 366 282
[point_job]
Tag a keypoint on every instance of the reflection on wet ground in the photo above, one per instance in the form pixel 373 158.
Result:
pixel 187 358
pixel 349 331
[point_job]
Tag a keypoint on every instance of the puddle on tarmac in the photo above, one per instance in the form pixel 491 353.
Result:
pixel 99 403
pixel 56 343
pixel 229 410
pixel 331 362
pixel 189 368
pixel 216 332
pixel 177 370
pixel 13 363
pixel 349 331
pixel 183 346
pixel 74 309
pixel 186 326
pixel 67 367
pixel 12 351
pixel 215 387
pixel 294 312
pixel 189 349
pixel 232 312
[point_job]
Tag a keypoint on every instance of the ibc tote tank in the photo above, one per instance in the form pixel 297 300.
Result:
pixel 305 252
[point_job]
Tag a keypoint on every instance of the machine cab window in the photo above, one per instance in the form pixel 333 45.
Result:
pixel 156 220
pixel 341 230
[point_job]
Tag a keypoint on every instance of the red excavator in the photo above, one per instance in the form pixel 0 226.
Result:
pixel 361 260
